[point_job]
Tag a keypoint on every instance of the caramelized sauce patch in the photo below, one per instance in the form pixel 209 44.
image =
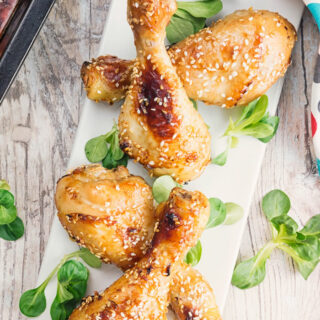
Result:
pixel 170 222
pixel 156 103
pixel 117 71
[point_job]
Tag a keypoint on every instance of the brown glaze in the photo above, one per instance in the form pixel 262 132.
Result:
pixel 92 230
pixel 155 102
pixel 189 314
pixel 232 62
pixel 143 291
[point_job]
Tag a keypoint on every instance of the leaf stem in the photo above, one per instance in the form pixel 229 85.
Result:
pixel 264 253
pixel 53 272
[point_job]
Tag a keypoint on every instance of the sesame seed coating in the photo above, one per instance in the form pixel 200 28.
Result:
pixel 143 291
pixel 256 44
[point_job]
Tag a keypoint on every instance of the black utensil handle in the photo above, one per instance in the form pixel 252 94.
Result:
pixel 21 42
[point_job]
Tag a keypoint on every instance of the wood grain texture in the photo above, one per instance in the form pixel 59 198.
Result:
pixel 38 121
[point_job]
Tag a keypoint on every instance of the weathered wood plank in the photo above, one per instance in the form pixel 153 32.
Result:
pixel 38 121
pixel 288 165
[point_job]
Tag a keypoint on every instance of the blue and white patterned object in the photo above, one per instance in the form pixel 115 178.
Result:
pixel 314 7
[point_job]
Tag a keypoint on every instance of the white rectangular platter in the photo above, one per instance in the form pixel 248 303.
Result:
pixel 235 182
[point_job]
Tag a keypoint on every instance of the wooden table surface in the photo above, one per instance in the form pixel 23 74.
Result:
pixel 38 122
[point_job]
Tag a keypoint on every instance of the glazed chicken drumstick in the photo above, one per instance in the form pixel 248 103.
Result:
pixel 111 213
pixel 142 292
pixel 158 124
pixel 231 63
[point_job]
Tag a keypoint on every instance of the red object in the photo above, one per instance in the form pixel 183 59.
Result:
pixel 7 8
pixel 313 125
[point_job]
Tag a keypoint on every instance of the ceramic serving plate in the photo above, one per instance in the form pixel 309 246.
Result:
pixel 235 182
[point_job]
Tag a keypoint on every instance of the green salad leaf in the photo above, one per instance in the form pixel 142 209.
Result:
pixel 221 159
pixel 234 213
pixel 312 227
pixel 162 187
pixel 4 185
pixel 11 226
pixel 195 104
pixel 106 148
pixel 8 211
pixel 190 18
pixel 254 121
pixel 194 255
pixel 72 285
pixel 179 29
pixel 302 245
pixel 218 213
pixel 89 258
pixel 12 231
pixel 96 149
pixel 33 302
pixel 201 9
pixel 275 203
pixel 72 279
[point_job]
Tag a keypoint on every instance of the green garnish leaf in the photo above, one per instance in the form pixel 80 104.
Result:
pixel 253 115
pixel 72 277
pixel 72 285
pixel 109 162
pixel 303 246
pixel 201 9
pixel 12 231
pixel 4 185
pixel 221 159
pixel 289 225
pixel 8 211
pixel 194 102
pixel 257 130
pixel 275 203
pixel 96 149
pixel 247 111
pixel 305 267
pixel 194 255
pixel 61 311
pixel 254 121
pixel 218 213
pixel 198 23
pixel 115 148
pixel 234 213
pixel 190 18
pixel 179 29
pixel 33 302
pixel 251 272
pixel 274 123
pixel 89 258
pixel 106 148
pixel 11 226
pixel 162 187
pixel 312 227
pixel 234 142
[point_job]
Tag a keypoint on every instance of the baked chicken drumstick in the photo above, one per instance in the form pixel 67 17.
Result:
pixel 142 292
pixel 111 213
pixel 231 63
pixel 158 124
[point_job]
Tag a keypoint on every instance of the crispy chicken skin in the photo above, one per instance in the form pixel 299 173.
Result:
pixel 87 186
pixel 191 296
pixel 142 292
pixel 107 78
pixel 158 124
pixel 105 204
pixel 231 63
